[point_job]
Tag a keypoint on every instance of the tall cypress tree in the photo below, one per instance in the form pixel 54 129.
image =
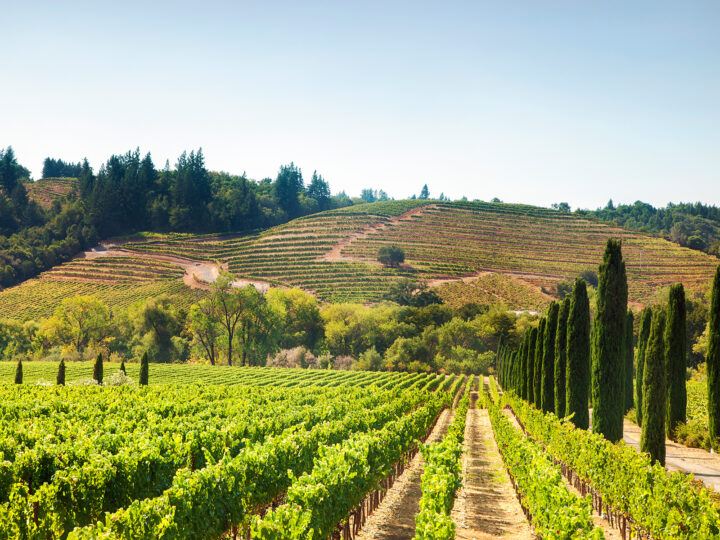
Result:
pixel 577 380
pixel 608 369
pixel 60 379
pixel 560 358
pixel 643 336
pixel 628 351
pixel 19 372
pixel 530 374
pixel 144 370
pixel 537 377
pixel 675 343
pixel 548 367
pixel 523 369
pixel 652 439
pixel 98 369
pixel 713 362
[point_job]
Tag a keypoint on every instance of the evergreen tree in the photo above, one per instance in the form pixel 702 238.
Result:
pixel 523 366
pixel 643 335
pixel 60 380
pixel 578 356
pixel 652 439
pixel 713 362
pixel 19 372
pixel 537 376
pixel 144 370
pixel 560 358
pixel 628 350
pixel 675 346
pixel 530 373
pixel 98 369
pixel 608 369
pixel 548 361
pixel 122 367
pixel 424 192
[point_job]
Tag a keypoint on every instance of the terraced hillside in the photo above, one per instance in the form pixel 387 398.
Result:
pixel 488 252
pixel 334 253
pixel 46 190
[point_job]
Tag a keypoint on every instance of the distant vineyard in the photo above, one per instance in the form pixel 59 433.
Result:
pixel 525 250
pixel 45 191
pixel 334 254
pixel 38 298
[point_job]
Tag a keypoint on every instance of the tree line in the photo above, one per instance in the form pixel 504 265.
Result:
pixel 568 361
pixel 129 194
pixel 692 225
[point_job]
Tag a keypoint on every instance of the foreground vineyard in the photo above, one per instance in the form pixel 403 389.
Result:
pixel 195 461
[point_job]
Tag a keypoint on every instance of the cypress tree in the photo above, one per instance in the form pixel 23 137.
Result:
pixel 122 367
pixel 537 377
pixel 675 347
pixel 629 353
pixel 713 362
pixel 548 366
pixel 560 358
pixel 144 370
pixel 577 352
pixel 608 369
pixel 643 335
pixel 60 380
pixel 530 374
pixel 523 365
pixel 652 439
pixel 98 369
pixel 19 372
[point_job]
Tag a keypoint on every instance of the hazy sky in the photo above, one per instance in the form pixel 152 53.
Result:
pixel 535 102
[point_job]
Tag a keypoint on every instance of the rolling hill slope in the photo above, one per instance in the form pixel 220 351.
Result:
pixel 512 254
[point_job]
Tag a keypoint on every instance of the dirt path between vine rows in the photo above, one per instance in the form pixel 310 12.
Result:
pixel 198 274
pixel 394 519
pixel 486 505
pixel 678 457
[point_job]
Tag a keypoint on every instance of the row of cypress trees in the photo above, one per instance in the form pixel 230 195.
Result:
pixel 97 371
pixel 604 356
pixel 551 369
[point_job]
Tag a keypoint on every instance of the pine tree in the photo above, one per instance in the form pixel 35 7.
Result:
pixel 548 365
pixel 19 372
pixel 713 362
pixel 560 358
pixel 60 380
pixel 608 369
pixel 144 370
pixel 643 335
pixel 122 367
pixel 652 439
pixel 628 351
pixel 98 369
pixel 675 344
pixel 530 373
pixel 577 351
pixel 537 376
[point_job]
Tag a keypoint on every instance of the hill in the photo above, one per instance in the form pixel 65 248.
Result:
pixel 47 190
pixel 512 254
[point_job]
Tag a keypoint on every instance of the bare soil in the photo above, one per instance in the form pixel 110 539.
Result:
pixel 486 506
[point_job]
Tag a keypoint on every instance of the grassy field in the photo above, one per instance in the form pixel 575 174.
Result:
pixel 47 190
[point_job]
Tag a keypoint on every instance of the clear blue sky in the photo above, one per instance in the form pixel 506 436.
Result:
pixel 535 102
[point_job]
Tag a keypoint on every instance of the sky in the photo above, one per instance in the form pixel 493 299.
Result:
pixel 533 102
